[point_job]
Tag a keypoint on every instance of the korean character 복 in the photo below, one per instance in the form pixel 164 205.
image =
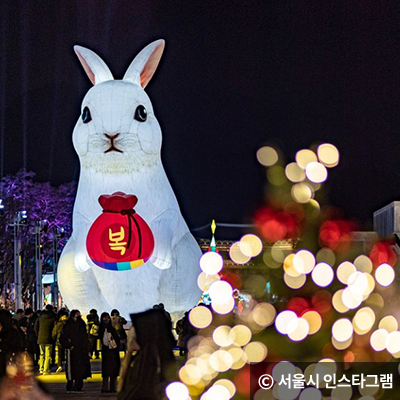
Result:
pixel 386 381
pixel 298 381
pixel 344 382
pixel 330 380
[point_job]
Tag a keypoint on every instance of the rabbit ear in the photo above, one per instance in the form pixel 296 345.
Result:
pixel 95 68
pixel 145 64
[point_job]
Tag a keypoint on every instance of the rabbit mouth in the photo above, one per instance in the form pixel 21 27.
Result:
pixel 112 148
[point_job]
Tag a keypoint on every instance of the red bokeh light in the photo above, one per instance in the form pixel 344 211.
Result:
pixel 234 279
pixel 335 234
pixel 299 305
pixel 278 225
pixel 322 301
pixel 383 252
pixel 242 381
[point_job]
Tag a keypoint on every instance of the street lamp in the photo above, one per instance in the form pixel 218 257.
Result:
pixel 20 218
pixel 58 233
pixel 40 227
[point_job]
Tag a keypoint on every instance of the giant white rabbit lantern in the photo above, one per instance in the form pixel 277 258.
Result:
pixel 118 141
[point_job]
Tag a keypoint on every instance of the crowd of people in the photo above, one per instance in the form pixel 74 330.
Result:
pixel 70 341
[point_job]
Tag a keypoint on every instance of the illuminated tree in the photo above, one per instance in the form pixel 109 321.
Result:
pixel 42 202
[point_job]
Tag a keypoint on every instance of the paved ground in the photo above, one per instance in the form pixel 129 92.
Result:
pixel 92 391
pixel 55 384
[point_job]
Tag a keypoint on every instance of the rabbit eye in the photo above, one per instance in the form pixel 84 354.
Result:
pixel 86 117
pixel 140 113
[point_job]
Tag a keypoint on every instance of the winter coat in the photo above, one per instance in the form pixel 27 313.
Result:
pixel 58 329
pixel 44 327
pixel 11 342
pixel 110 360
pixel 32 336
pixel 118 323
pixel 92 319
pixel 154 363
pixel 180 332
pixel 75 339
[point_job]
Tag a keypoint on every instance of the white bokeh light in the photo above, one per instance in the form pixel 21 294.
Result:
pixel 211 262
pixel 177 391
pixel 283 319
pixel 316 172
pixel 385 275
pixel 220 292
pixel 322 274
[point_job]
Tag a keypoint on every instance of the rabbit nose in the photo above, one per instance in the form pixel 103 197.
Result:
pixel 111 136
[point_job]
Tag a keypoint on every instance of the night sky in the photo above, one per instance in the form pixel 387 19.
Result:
pixel 234 76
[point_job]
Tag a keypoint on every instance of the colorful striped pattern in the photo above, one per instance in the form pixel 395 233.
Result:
pixel 121 266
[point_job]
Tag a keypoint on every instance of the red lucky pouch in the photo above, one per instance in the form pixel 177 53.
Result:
pixel 119 239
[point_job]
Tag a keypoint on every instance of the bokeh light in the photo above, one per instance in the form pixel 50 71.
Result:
pixel 301 193
pixel 220 292
pixel 294 282
pixel 240 335
pixel 389 323
pixel 267 156
pixel 304 261
pixel 228 385
pixel 363 264
pixel 221 360
pixel 264 314
pixel 298 329
pixel 328 155
pixel 251 245
pixel 378 339
pixel 236 255
pixel 289 268
pixel 341 345
pixel 255 352
pixel 314 321
pixel 211 262
pixel 342 329
pixel 276 175
pixel 200 317
pixel 384 274
pixel 327 256
pixel 342 393
pixel 239 357
pixel 344 270
pixel 177 391
pixel 294 173
pixel 310 393
pixel 316 172
pixel 393 342
pixel 223 308
pixel 337 302
pixel 351 297
pixel 283 319
pixel 222 337
pixel 363 320
pixel 204 280
pixel 322 275
pixel 190 374
pixel 216 392
pixel 304 157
